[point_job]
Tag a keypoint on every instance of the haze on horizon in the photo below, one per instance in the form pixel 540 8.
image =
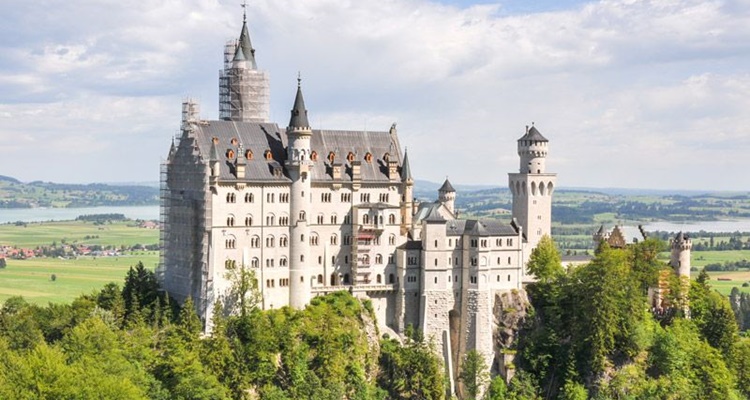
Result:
pixel 630 93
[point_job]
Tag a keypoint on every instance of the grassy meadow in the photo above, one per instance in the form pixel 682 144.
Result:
pixel 76 232
pixel 31 278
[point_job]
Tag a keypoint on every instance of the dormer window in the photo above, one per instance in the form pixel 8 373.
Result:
pixel 268 155
pixel 230 154
pixel 331 157
pixel 386 157
pixel 234 141
pixel 368 157
pixel 314 156
pixel 249 154
pixel 350 157
pixel 215 140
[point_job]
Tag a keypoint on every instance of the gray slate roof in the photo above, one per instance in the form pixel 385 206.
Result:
pixel 406 169
pixel 447 187
pixel 259 137
pixel 534 135
pixel 299 112
pixel 245 46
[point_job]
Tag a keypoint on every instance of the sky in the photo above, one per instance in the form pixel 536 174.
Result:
pixel 651 94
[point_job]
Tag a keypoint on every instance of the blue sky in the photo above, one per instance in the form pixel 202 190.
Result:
pixel 631 93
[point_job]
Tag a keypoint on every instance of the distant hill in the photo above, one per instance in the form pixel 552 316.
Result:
pixel 17 194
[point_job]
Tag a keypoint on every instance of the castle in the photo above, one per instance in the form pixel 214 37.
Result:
pixel 315 211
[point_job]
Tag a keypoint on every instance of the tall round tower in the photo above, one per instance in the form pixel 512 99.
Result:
pixel 298 166
pixel 532 187
pixel 447 196
pixel 680 257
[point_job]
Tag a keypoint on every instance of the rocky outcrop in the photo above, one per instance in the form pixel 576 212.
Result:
pixel 509 312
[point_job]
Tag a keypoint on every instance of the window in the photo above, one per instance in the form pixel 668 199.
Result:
pixel 255 263
pixel 368 157
pixel 378 259
pixel 283 262
pixel 508 260
pixel 230 221
pixel 499 242
pixel 391 279
pixel 320 219
pixel 436 282
pixel 509 242
pixel 283 282
pixel 334 239
pixel 301 215
pixel 249 154
pixel 269 262
pixel 231 198
pixel 392 239
pixel 270 241
pixel 366 219
pixel 392 219
pixel 473 279
pixel 314 156
pixel 230 264
pixel 390 259
pixel 255 242
pixel 331 157
pixel 230 243
pixel 284 197
pixel 347 240
pixel 411 260
pixel 383 197
pixel 283 241
pixel 473 243
pixel 249 220
pixel 268 155
pixel 230 154
pixel 411 278
pixel 320 279
pixel 350 157
pixel 284 220
pixel 320 260
pixel 379 279
pixel 347 219
pixel 270 197
pixel 484 242
pixel 270 220
pixel 314 240
pixel 334 219
pixel 364 197
pixel 346 197
pixel 325 197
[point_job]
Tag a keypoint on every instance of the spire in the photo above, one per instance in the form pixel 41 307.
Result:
pixel 533 134
pixel 213 154
pixel 405 168
pixel 245 44
pixel 447 187
pixel 299 112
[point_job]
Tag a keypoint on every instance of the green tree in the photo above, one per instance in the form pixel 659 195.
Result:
pixel 544 262
pixel 474 373
pixel 243 294
pixel 498 390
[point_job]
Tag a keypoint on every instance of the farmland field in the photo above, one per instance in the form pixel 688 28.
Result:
pixel 31 278
pixel 76 232
pixel 729 280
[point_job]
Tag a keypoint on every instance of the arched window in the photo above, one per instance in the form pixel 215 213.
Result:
pixel 270 219
pixel 334 239
pixel 392 239
pixel 379 279
pixel 230 154
pixel 368 157
pixel 255 241
pixel 333 279
pixel 270 241
pixel 334 219
pixel 268 155
pixel 301 215
pixel 392 219
pixel 255 263
pixel 350 157
pixel 320 279
pixel 283 241
pixel 230 220
pixel 378 259
pixel 366 219
pixel 249 220
pixel 249 154
pixel 314 239
pixel 331 157
pixel 249 198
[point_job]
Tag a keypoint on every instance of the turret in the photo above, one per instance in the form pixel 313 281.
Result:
pixel 298 166
pixel 447 196
pixel 680 257
pixel 532 147
pixel 214 162
pixel 407 203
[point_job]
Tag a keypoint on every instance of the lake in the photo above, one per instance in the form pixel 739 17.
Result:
pixel 741 225
pixel 66 214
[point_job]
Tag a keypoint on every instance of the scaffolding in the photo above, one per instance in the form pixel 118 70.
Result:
pixel 244 92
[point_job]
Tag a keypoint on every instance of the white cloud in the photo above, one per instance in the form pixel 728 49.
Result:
pixel 633 93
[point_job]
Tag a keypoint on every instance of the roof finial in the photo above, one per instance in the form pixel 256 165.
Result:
pixel 299 79
pixel 244 11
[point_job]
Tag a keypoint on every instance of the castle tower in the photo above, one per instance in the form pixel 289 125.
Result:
pixel 532 187
pixel 407 203
pixel 447 196
pixel 680 257
pixel 244 91
pixel 298 166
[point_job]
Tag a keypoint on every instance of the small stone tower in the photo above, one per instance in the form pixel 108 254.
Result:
pixel 532 187
pixel 680 257
pixel 407 202
pixel 447 196
pixel 244 91
pixel 298 165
